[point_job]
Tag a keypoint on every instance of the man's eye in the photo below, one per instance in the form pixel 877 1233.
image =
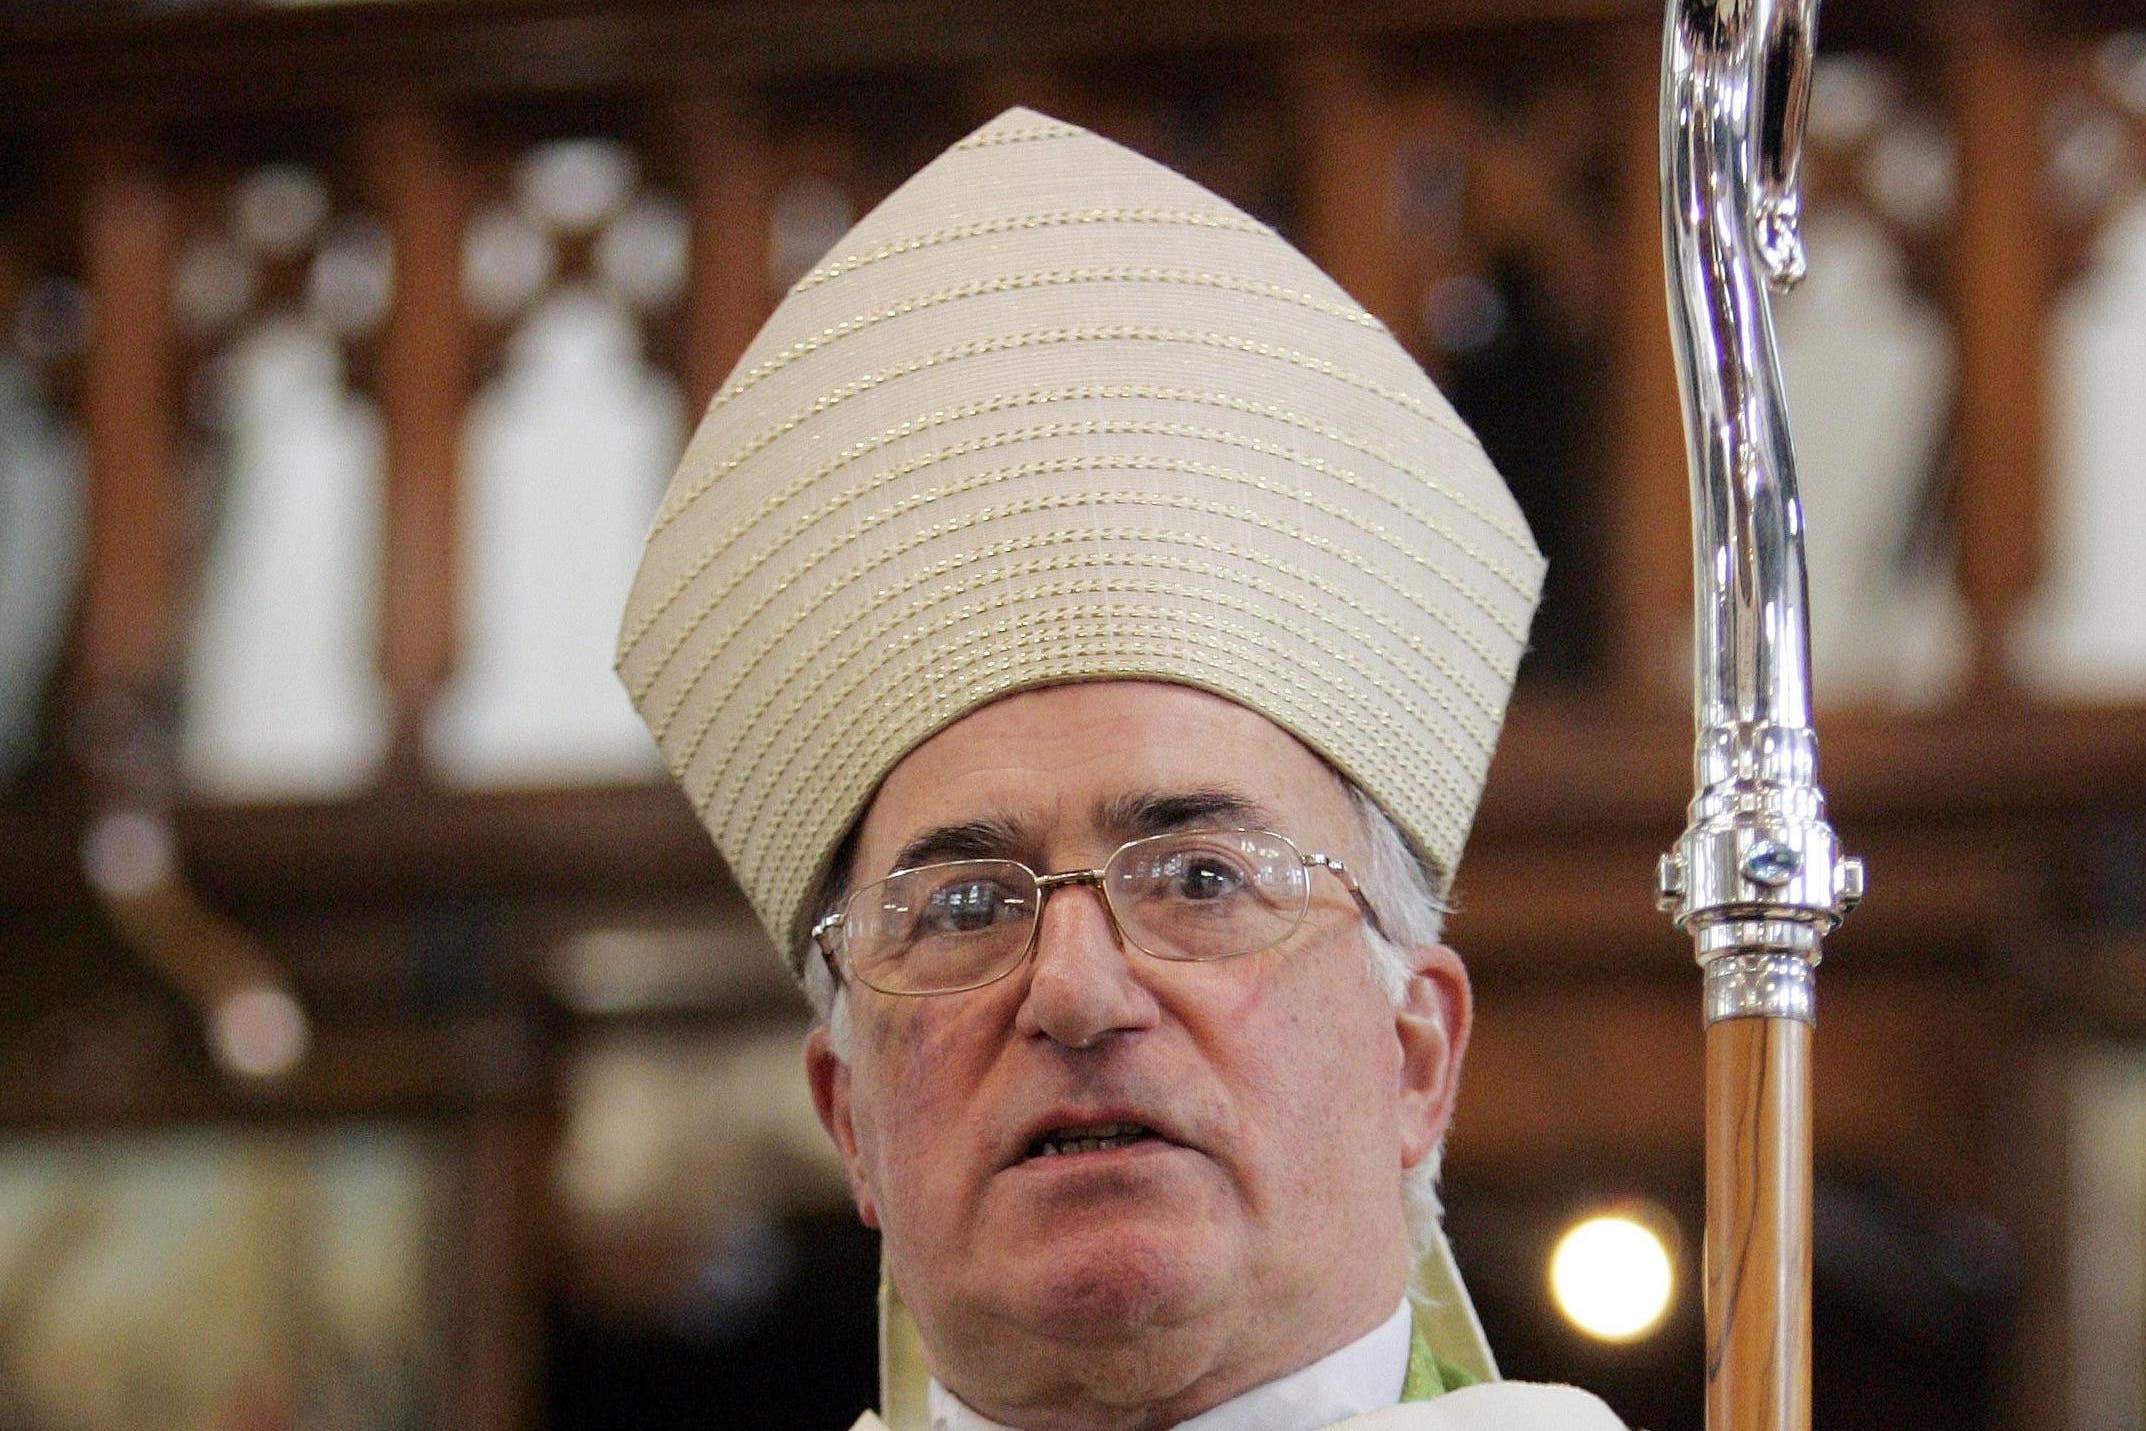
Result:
pixel 1201 878
pixel 968 907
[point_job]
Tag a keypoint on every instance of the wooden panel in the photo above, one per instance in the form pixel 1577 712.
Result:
pixel 1561 765
pixel 1907 1070
pixel 129 1059
pixel 1050 91
pixel 2000 278
pixel 1649 561
pixel 500 1257
pixel 424 388
pixel 313 56
pixel 1349 178
pixel 2033 1196
pixel 131 589
pixel 730 181
pixel 1961 820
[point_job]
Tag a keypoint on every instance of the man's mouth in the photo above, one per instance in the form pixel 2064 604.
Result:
pixel 1087 1138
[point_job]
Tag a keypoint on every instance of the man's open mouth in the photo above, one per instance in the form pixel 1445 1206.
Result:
pixel 1088 1138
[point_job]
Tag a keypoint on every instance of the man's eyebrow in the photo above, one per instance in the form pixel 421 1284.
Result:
pixel 1127 816
pixel 967 840
pixel 1152 812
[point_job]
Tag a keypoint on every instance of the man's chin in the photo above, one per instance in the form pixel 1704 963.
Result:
pixel 1092 1251
pixel 1104 1280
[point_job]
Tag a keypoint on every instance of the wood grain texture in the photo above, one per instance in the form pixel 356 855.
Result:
pixel 131 588
pixel 1606 1073
pixel 1349 179
pixel 1758 1225
pixel 730 178
pixel 2000 297
pixel 424 388
pixel 163 62
pixel 498 1335
pixel 1648 567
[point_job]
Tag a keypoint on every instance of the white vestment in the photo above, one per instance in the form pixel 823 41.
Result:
pixel 1492 1406
pixel 1354 1387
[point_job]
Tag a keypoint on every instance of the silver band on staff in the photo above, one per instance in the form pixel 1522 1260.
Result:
pixel 1765 986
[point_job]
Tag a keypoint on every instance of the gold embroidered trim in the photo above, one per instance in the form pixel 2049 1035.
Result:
pixel 1057 218
pixel 1480 727
pixel 974 481
pixel 1044 337
pixel 986 139
pixel 764 550
pixel 1034 397
pixel 1249 661
pixel 803 567
pixel 859 635
pixel 1203 602
pixel 1020 282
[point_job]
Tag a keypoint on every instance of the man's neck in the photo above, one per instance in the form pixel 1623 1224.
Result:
pixel 1364 1375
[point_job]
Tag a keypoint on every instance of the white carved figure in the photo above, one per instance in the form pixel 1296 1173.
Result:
pixel 564 458
pixel 1869 368
pixel 2085 633
pixel 283 692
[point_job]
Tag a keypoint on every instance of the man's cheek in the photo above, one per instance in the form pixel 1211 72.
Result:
pixel 898 1154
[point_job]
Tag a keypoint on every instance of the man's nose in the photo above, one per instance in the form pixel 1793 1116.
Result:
pixel 1082 983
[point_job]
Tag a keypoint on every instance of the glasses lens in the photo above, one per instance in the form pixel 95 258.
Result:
pixel 1208 894
pixel 939 928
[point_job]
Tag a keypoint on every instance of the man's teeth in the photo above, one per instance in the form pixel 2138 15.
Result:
pixel 1090 1139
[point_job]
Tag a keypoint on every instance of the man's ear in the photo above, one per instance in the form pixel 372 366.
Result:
pixel 1432 1023
pixel 830 1079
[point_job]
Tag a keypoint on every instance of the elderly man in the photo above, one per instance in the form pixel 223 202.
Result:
pixel 1084 632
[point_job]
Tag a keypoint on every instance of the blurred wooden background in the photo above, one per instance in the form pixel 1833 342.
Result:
pixel 544 972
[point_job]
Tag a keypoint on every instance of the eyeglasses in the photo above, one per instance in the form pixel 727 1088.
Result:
pixel 1192 896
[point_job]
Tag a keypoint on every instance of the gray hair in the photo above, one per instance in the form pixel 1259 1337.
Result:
pixel 1407 891
pixel 1409 895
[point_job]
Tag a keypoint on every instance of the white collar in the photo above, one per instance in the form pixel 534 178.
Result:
pixel 1365 1375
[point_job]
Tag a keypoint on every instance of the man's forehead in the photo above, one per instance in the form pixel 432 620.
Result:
pixel 1026 836
pixel 1111 759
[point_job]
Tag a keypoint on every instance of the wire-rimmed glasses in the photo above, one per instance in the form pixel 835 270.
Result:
pixel 1188 895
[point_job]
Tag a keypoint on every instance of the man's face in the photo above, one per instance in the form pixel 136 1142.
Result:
pixel 1261 1224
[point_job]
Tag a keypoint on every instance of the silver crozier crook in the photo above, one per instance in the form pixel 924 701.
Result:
pixel 1758 879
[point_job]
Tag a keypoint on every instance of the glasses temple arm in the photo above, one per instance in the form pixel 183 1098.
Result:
pixel 1356 891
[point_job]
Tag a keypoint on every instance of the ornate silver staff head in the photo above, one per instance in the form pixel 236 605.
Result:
pixel 1758 879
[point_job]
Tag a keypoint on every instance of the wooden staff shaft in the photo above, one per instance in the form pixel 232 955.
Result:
pixel 1758 1225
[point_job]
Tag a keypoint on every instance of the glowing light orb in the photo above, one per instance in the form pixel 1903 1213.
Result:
pixel 1612 1278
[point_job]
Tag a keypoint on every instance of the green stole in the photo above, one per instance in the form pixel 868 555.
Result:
pixel 1429 1375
